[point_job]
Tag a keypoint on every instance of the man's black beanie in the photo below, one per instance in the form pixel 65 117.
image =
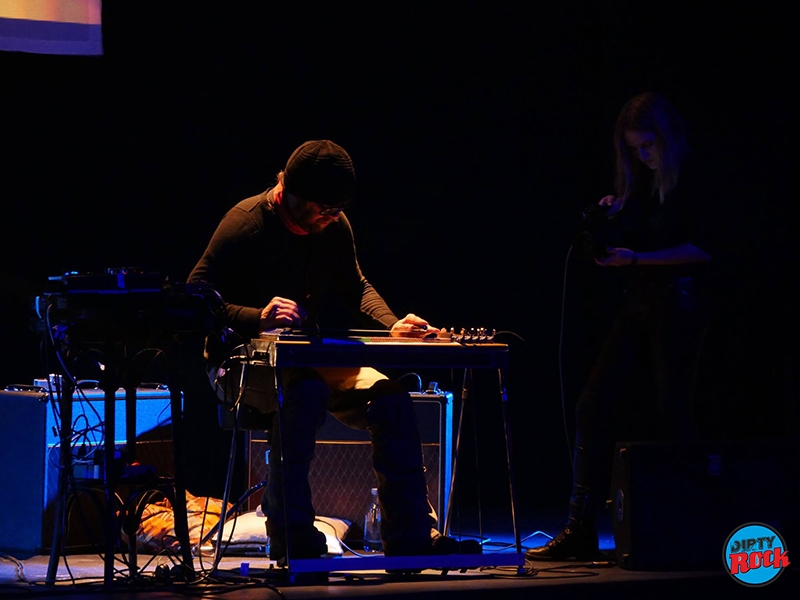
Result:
pixel 320 171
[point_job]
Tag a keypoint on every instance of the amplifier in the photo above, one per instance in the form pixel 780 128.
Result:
pixel 88 411
pixel 675 503
pixel 341 473
pixel 30 456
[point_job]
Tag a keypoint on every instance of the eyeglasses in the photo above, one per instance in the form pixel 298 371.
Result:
pixel 324 210
pixel 332 211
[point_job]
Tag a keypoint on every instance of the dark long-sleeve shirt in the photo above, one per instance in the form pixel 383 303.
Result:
pixel 646 225
pixel 252 257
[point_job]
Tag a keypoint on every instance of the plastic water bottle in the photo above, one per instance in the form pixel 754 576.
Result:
pixel 372 525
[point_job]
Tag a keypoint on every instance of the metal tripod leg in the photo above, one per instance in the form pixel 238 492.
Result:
pixel 509 460
pixel 64 393
pixel 456 450
pixel 509 456
pixel 110 479
pixel 223 515
pixel 282 450
pixel 179 508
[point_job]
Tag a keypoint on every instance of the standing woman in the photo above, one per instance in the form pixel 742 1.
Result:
pixel 655 236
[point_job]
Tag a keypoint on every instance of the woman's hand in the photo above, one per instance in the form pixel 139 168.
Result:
pixel 617 257
pixel 413 326
pixel 677 255
pixel 615 204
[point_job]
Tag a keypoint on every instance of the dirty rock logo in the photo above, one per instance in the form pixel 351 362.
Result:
pixel 755 554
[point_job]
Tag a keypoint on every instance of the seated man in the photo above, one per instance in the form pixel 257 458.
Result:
pixel 286 258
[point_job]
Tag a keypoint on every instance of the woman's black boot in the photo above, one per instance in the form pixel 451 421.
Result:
pixel 578 541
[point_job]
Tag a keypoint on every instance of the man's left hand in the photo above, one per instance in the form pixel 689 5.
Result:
pixel 413 326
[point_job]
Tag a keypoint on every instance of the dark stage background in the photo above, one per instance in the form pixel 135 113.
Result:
pixel 478 134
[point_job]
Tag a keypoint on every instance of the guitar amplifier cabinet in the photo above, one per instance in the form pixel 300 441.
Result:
pixel 30 458
pixel 341 473
pixel 675 503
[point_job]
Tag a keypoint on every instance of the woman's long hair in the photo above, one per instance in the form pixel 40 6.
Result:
pixel 649 112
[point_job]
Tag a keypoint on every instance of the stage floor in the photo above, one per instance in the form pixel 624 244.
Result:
pixel 82 575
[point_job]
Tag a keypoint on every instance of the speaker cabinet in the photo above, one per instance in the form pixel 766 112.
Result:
pixel 675 504
pixel 341 473
pixel 30 456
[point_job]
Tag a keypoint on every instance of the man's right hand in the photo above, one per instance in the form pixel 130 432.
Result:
pixel 282 312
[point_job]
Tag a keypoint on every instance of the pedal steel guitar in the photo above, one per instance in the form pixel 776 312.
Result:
pixel 379 349
pixel 474 349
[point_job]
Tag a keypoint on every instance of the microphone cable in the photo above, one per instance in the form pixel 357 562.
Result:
pixel 560 359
